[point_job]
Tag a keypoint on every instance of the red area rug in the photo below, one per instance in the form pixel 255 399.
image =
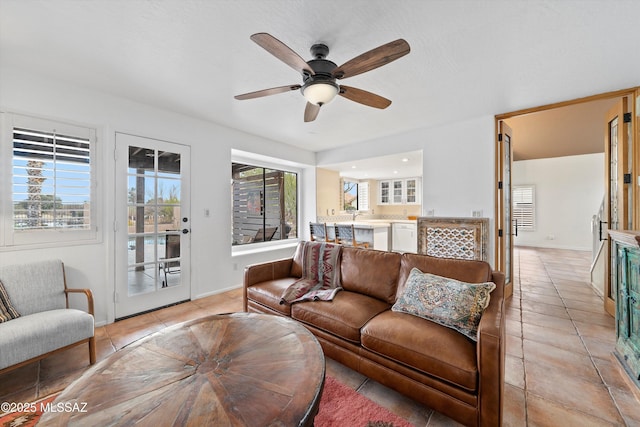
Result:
pixel 28 414
pixel 342 406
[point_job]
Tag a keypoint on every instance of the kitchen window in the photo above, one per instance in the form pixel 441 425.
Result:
pixel 355 195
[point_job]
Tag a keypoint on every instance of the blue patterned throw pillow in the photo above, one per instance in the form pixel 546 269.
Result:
pixel 448 302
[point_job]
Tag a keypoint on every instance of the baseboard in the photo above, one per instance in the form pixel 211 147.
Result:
pixel 543 246
pixel 217 291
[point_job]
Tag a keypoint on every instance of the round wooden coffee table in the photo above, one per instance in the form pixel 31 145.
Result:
pixel 240 369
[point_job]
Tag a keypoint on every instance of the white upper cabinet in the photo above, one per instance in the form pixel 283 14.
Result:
pixel 399 191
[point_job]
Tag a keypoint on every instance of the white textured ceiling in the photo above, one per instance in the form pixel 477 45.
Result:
pixel 468 58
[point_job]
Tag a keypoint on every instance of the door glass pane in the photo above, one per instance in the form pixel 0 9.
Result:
pixel 613 196
pixel 613 177
pixel 153 223
pixel 507 207
pixel 629 170
pixel 140 160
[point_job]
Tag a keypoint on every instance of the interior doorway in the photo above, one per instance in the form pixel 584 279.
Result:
pixel 553 134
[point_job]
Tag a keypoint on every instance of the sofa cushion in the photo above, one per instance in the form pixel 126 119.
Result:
pixel 344 316
pixel 449 302
pixel 268 293
pixel 7 311
pixel 370 272
pixel 470 271
pixel 30 336
pixel 423 345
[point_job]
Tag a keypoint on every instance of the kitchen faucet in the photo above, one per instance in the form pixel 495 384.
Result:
pixel 354 215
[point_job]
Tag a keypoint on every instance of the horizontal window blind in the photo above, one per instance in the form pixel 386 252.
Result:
pixel 52 180
pixel 363 196
pixel 524 207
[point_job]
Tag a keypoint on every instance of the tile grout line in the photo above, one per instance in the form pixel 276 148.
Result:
pixel 524 369
pixel 606 386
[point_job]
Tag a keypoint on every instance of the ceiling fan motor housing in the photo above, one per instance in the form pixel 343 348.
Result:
pixel 322 68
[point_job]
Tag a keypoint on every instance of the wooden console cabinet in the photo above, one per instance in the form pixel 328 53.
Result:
pixel 626 282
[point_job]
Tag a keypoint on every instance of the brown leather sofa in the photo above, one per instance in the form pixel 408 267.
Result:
pixel 434 365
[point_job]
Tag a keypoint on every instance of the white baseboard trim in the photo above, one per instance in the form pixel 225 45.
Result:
pixel 216 292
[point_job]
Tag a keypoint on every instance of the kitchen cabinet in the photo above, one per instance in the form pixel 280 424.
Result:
pixel 626 282
pixel 399 191
pixel 384 195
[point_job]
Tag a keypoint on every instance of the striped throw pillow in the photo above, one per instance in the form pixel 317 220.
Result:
pixel 7 311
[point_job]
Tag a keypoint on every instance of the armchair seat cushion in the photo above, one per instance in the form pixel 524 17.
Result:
pixel 343 317
pixel 424 345
pixel 39 333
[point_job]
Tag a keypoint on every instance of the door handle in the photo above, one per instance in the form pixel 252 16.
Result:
pixel 600 230
pixel 185 230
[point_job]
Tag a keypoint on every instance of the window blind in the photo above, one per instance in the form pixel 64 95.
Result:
pixel 524 207
pixel 363 196
pixel 51 186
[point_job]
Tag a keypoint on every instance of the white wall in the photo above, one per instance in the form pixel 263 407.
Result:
pixel 458 166
pixel 213 269
pixel 568 192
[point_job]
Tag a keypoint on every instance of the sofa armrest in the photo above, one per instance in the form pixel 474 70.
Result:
pixel 87 293
pixel 490 354
pixel 258 273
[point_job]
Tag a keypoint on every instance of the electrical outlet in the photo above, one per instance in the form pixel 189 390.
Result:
pixel 431 212
pixel 476 214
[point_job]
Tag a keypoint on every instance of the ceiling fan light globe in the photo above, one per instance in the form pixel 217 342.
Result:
pixel 320 93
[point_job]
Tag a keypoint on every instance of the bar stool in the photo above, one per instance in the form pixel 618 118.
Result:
pixel 346 235
pixel 318 232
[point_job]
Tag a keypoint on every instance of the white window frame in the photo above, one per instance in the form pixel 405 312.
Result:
pixel 11 238
pixel 522 208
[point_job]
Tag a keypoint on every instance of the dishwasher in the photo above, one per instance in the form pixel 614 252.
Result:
pixel 404 237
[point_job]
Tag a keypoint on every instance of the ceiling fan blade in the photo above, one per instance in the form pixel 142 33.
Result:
pixel 267 92
pixel 282 52
pixel 311 112
pixel 364 97
pixel 373 59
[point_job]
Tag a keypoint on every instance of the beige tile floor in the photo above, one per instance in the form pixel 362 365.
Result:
pixel 559 365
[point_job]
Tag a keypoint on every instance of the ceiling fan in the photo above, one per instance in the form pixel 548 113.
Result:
pixel 319 74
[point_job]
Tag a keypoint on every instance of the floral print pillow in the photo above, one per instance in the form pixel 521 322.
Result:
pixel 448 302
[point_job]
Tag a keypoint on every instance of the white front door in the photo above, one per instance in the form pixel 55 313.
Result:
pixel 152 229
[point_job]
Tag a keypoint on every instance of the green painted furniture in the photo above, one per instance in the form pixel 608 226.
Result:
pixel 627 288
